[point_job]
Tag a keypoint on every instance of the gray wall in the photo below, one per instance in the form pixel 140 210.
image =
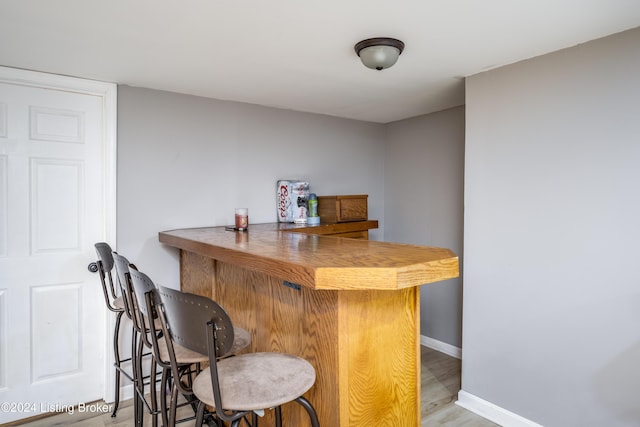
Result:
pixel 551 325
pixel 185 161
pixel 423 204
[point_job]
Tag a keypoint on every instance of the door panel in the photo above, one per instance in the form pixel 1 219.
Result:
pixel 56 190
pixel 55 325
pixel 3 206
pixel 53 182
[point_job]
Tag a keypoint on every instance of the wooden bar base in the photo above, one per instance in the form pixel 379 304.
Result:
pixel 363 342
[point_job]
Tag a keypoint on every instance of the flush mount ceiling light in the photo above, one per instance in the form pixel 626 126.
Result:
pixel 380 52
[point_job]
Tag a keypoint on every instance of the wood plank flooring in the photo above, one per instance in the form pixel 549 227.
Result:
pixel 440 385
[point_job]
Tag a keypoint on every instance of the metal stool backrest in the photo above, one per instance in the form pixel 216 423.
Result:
pixel 105 266
pixel 141 285
pixel 122 271
pixel 200 324
pixel 187 316
pixel 143 290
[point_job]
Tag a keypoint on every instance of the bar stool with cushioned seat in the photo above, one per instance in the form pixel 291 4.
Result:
pixel 184 359
pixel 150 324
pixel 117 304
pixel 235 386
pixel 139 345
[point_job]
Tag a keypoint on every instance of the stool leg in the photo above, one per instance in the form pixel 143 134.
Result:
pixel 174 403
pixel 134 374
pixel 199 413
pixel 163 397
pixel 152 390
pixel 312 412
pixel 116 354
pixel 278 413
pixel 139 382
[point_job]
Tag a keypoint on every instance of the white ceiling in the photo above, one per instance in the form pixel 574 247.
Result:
pixel 297 54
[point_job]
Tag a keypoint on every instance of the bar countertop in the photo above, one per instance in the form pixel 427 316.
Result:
pixel 318 261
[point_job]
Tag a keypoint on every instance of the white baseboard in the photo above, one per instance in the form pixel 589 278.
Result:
pixel 442 347
pixel 473 403
pixel 492 412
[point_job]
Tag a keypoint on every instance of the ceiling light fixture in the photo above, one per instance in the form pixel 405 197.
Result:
pixel 380 52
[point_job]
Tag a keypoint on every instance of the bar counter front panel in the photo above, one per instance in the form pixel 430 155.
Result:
pixel 350 307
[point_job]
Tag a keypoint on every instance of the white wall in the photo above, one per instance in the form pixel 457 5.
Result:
pixel 423 205
pixel 185 161
pixel 551 320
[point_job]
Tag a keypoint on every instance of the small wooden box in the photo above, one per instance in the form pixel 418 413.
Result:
pixel 343 208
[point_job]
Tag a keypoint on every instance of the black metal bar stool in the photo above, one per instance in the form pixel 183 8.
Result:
pixel 187 363
pixel 236 386
pixel 139 345
pixel 117 304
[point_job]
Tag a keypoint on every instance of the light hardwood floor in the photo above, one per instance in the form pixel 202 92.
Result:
pixel 440 385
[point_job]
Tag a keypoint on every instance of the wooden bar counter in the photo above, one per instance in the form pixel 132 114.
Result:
pixel 350 307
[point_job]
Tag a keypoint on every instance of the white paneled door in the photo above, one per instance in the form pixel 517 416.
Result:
pixel 56 184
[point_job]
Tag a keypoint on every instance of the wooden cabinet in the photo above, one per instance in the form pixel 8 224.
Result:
pixel 343 208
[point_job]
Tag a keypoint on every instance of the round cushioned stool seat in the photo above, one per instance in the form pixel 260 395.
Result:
pixel 118 303
pixel 183 355
pixel 257 381
pixel 241 339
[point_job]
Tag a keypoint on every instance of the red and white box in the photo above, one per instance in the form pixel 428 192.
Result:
pixel 292 200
